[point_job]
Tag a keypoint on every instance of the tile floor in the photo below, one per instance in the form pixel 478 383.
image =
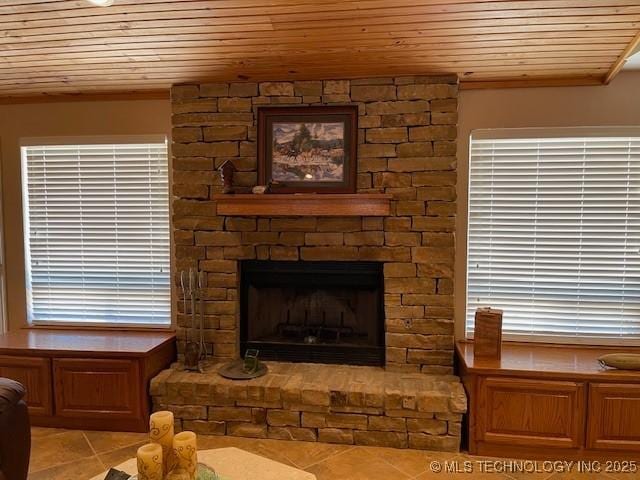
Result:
pixel 78 455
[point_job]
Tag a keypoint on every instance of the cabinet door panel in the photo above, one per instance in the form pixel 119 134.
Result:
pixel 614 416
pixel 531 412
pixel 35 374
pixel 97 388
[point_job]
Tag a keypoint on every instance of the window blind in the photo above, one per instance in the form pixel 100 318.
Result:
pixel 97 233
pixel 554 237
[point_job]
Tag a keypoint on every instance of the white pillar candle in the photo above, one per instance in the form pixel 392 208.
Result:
pixel 186 451
pixel 150 462
pixel 161 431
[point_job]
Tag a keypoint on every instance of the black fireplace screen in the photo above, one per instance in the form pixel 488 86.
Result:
pixel 326 312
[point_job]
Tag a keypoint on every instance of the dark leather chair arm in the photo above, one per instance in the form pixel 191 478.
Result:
pixel 11 392
pixel 15 434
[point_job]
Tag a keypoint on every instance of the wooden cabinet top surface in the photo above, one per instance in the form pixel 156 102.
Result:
pixel 551 361
pixel 34 342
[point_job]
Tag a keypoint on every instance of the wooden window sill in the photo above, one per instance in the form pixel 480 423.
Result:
pixel 546 360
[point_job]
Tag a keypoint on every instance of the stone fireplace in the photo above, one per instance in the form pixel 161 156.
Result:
pixel 319 312
pixel 407 146
pixel 399 316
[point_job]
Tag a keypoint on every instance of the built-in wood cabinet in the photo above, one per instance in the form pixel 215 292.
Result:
pixel 614 416
pixel 515 411
pixel 97 388
pixel 89 380
pixel 35 374
pixel 549 402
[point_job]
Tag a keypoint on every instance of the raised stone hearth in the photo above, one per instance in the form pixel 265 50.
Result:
pixel 326 403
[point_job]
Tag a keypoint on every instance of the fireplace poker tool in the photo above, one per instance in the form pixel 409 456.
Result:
pixel 201 345
pixel 191 351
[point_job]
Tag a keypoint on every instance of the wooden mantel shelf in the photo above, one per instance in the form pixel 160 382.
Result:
pixel 304 204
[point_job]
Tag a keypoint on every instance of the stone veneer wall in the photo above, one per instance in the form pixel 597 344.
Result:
pixel 407 147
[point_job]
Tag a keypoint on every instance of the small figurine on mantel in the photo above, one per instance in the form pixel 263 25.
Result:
pixel 227 170
pixel 262 189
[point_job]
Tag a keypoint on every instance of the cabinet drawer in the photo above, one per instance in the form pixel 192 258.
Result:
pixel 35 374
pixel 614 416
pixel 96 388
pixel 525 412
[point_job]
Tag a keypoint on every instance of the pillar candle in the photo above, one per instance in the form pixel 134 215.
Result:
pixel 161 431
pixel 186 451
pixel 150 462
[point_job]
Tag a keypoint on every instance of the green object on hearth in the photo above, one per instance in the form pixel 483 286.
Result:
pixel 244 369
pixel 251 361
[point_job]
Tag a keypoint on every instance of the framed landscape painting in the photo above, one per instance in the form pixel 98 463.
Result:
pixel 308 149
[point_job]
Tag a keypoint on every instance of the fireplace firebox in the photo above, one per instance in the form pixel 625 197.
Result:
pixel 322 312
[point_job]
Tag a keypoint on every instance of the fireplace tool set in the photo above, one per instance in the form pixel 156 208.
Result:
pixel 193 286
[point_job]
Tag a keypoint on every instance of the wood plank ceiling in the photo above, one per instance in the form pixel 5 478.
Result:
pixel 70 46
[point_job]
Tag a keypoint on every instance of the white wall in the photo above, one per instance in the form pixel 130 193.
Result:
pixel 610 105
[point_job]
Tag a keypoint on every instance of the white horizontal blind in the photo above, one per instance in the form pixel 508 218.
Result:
pixel 97 233
pixel 554 237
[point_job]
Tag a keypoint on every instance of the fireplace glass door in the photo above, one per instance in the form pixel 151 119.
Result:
pixel 326 312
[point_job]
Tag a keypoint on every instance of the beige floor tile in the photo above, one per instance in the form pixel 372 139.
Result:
pixel 530 475
pixel 107 441
pixel 573 475
pixel 116 457
pixel 305 454
pixel 531 470
pixel 59 454
pixel 356 464
pixel 76 470
pixel 57 449
pixel 429 475
pixel 40 432
pixel 629 475
pixel 410 462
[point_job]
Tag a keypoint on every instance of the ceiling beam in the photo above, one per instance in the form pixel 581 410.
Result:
pixel 532 82
pixel 622 59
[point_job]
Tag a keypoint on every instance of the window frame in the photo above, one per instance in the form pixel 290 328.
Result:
pixel 538 133
pixel 90 140
pixel 4 319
